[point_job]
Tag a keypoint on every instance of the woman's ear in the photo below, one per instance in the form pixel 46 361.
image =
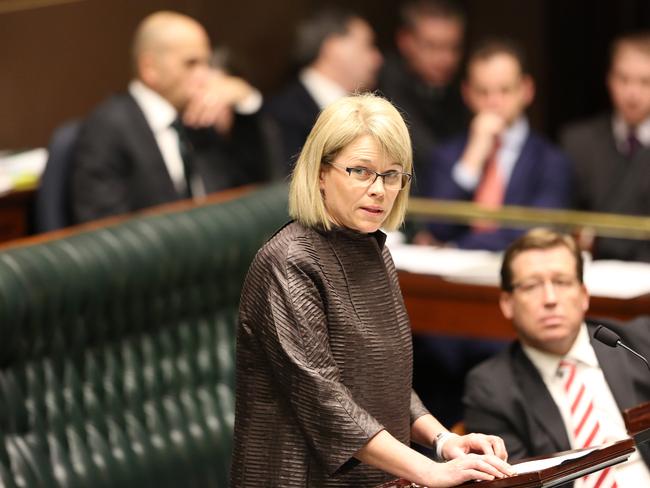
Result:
pixel 321 179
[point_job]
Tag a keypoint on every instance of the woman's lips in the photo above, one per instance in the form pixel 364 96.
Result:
pixel 373 210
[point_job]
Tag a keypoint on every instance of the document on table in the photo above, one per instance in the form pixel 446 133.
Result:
pixel 21 169
pixel 616 279
pixel 478 267
pixel 540 464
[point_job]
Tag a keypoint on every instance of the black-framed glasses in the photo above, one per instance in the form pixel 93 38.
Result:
pixel 362 176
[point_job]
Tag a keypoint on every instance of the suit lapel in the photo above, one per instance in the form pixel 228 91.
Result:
pixel 149 157
pixel 310 109
pixel 614 365
pixel 522 173
pixel 541 404
pixel 612 171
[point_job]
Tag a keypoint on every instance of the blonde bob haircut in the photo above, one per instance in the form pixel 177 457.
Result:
pixel 338 125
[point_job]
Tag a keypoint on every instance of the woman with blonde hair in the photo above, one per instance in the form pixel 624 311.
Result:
pixel 324 359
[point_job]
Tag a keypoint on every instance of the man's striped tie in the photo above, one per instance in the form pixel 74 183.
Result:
pixel 586 428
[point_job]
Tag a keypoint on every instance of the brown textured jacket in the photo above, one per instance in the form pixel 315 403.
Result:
pixel 324 360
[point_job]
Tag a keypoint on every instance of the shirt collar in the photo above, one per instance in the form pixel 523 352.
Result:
pixel 344 233
pixel 159 112
pixel 547 364
pixel 621 131
pixel 515 135
pixel 323 90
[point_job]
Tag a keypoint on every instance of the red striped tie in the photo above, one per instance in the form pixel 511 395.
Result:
pixel 586 428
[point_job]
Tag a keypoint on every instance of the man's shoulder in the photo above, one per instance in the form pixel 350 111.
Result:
pixel 545 148
pixel 116 109
pixel 498 368
pixel 586 129
pixel 451 149
pixel 394 73
pixel 292 97
pixel 634 330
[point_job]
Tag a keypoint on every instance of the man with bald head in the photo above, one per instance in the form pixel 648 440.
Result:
pixel 183 129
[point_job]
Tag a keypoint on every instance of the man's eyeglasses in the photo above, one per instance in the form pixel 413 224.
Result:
pixel 362 176
pixel 536 286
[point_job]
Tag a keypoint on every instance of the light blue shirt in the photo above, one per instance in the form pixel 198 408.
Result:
pixel 512 141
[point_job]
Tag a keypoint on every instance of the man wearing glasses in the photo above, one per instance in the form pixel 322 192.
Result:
pixel 556 388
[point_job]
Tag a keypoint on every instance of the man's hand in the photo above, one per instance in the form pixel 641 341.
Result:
pixel 212 100
pixel 484 129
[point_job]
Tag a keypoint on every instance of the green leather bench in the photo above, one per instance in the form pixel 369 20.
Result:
pixel 117 348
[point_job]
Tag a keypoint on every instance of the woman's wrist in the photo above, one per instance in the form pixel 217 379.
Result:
pixel 440 441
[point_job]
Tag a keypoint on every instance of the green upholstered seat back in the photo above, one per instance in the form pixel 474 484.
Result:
pixel 117 348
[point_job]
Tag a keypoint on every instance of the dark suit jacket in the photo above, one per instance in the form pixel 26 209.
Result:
pixel 117 166
pixel 608 182
pixel 541 177
pixel 294 111
pixel 506 396
pixel 432 114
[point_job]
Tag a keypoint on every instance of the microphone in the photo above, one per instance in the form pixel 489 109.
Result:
pixel 612 339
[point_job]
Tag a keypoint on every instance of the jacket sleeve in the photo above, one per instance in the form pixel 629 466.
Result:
pixel 417 407
pixel 99 173
pixel 252 148
pixel 290 323
pixel 441 185
pixel 485 414
pixel 555 183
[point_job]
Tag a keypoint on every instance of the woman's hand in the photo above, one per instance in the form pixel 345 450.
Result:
pixel 467 468
pixel 457 446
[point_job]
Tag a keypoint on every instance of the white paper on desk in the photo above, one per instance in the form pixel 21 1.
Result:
pixel 539 464
pixel 24 162
pixel 617 279
pixel 478 267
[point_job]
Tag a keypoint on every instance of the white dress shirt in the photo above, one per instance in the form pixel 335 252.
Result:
pixel 621 132
pixel 634 472
pixel 160 114
pixel 512 141
pixel 323 90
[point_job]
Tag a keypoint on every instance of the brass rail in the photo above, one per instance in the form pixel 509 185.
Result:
pixel 7 6
pixel 603 224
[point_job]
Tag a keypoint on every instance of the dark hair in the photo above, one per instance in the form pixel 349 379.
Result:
pixel 316 28
pixel 488 48
pixel 415 10
pixel 538 238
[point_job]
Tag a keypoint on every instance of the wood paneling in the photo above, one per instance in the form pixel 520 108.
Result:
pixel 59 61
pixel 437 306
pixel 61 57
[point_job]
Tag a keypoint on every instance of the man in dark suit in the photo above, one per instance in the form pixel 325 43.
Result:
pixel 421 77
pixel 500 160
pixel 337 50
pixel 183 130
pixel 556 388
pixel 611 152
